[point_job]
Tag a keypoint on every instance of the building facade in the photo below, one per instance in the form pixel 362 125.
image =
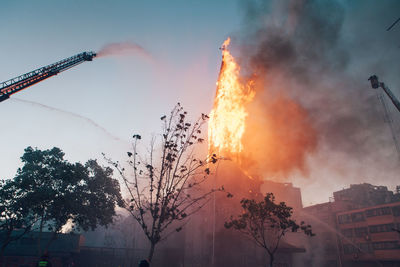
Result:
pixel 359 227
pixel 370 234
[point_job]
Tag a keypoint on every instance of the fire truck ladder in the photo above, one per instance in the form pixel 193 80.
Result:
pixel 389 120
pixel 375 84
pixel 19 83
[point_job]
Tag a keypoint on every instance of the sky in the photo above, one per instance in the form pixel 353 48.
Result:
pixel 123 94
pixel 97 106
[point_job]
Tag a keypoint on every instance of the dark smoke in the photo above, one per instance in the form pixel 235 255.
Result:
pixel 89 121
pixel 319 54
pixel 123 49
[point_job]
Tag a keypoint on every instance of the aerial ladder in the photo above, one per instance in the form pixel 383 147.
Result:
pixel 375 84
pixel 19 83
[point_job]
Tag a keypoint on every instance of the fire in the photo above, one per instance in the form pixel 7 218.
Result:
pixel 268 135
pixel 227 118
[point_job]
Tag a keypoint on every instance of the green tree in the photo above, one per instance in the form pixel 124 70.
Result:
pixel 164 187
pixel 58 192
pixel 266 223
pixel 15 218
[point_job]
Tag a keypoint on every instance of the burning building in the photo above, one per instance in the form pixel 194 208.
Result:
pixel 211 244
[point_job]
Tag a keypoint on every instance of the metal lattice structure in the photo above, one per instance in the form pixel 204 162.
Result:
pixel 21 82
pixel 389 120
pixel 375 84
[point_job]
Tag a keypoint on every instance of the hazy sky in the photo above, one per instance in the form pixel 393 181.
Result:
pixel 127 94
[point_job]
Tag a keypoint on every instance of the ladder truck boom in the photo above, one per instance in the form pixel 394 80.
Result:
pixel 375 84
pixel 19 83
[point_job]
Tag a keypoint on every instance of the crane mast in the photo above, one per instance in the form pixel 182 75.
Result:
pixel 389 120
pixel 375 84
pixel 21 82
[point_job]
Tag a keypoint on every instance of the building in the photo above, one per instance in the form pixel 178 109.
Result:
pixel 322 249
pixel 214 245
pixel 363 195
pixel 370 234
pixel 356 228
pixel 24 252
pixel 70 250
pixel 284 192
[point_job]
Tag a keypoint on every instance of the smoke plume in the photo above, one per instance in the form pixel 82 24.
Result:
pixel 123 49
pixel 314 107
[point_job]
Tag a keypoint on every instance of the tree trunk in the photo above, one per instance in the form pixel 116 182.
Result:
pixel 271 260
pixel 40 236
pixel 152 247
pixel 51 240
pixel 7 241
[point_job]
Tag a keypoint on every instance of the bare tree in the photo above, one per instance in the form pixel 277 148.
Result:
pixel 266 223
pixel 165 186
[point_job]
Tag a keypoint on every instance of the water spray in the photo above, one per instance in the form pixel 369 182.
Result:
pixel 74 115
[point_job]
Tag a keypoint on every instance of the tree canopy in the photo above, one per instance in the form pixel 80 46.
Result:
pixel 13 215
pixel 266 222
pixel 51 191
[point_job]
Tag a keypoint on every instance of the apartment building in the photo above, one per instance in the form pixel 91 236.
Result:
pixel 370 234
pixel 358 227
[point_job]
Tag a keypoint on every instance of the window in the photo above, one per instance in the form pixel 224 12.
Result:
pixel 370 213
pixel 349 249
pixel 378 212
pixel 345 218
pixel 347 232
pixel 386 245
pixel 381 228
pixel 357 217
pixel 359 248
pixel 385 211
pixel 366 247
pixel 396 210
pixel 361 232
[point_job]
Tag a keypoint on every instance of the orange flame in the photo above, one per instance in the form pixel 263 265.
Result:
pixel 227 118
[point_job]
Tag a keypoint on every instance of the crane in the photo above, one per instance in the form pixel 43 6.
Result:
pixel 23 81
pixel 375 84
